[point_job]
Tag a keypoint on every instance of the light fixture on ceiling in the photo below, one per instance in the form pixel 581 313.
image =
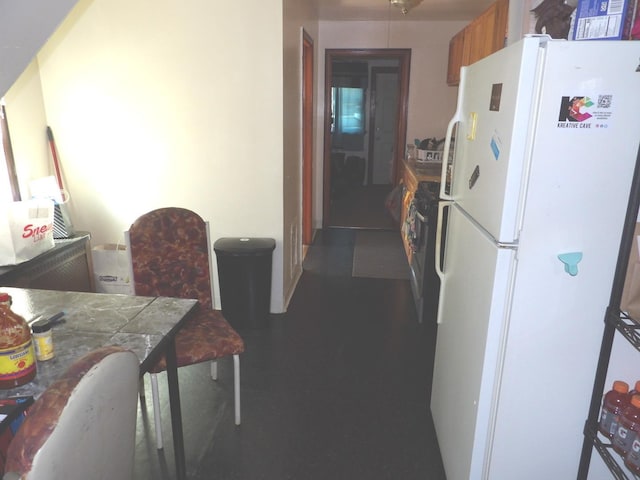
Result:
pixel 405 5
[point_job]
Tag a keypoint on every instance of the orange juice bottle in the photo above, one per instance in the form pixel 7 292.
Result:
pixel 612 405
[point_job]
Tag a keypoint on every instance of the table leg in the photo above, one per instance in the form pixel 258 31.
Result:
pixel 176 414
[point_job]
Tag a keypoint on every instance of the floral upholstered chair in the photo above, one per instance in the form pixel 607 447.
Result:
pixel 169 250
pixel 83 425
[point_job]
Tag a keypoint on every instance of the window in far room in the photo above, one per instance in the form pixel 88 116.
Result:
pixel 349 82
pixel 347 130
pixel 348 107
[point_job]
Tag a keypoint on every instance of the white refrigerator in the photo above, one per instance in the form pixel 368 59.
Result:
pixel 546 138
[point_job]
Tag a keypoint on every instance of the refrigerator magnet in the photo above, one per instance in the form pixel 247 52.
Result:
pixel 496 96
pixel 496 145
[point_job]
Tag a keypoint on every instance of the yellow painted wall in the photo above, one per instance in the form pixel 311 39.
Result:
pixel 153 104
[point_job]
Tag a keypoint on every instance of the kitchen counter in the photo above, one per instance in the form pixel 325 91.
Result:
pixel 420 172
pixel 414 173
pixel 421 183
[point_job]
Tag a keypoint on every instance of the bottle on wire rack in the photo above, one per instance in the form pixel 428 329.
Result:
pixel 632 458
pixel 635 391
pixel 628 427
pixel 612 405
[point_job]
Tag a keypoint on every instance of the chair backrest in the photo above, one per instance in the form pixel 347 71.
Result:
pixel 83 425
pixel 169 250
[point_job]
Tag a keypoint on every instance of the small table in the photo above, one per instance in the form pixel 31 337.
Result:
pixel 144 325
pixel 67 266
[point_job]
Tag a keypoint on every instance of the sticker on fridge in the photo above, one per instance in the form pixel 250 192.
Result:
pixel 583 112
pixel 496 145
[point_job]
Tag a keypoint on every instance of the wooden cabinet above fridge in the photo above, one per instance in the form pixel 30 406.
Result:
pixel 485 35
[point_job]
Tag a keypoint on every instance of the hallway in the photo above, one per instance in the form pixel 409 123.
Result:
pixel 337 388
pixel 362 207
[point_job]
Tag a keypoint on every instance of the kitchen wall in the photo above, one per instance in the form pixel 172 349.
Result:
pixel 152 105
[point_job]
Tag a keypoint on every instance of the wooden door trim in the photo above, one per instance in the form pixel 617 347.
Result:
pixel 8 155
pixel 403 55
pixel 307 138
pixel 372 115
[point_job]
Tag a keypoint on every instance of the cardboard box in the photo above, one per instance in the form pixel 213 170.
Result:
pixel 603 19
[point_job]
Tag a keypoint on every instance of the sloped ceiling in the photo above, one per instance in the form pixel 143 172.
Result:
pixel 25 26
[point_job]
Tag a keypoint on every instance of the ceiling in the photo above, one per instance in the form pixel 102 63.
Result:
pixel 337 10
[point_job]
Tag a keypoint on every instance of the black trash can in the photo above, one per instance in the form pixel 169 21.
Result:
pixel 244 273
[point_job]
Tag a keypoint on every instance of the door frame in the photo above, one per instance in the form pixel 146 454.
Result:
pixel 403 55
pixel 307 138
pixel 372 116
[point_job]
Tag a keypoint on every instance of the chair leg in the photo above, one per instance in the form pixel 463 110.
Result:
pixel 156 410
pixel 141 389
pixel 214 370
pixel 236 386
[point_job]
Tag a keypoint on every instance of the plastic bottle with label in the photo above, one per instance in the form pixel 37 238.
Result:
pixel 635 390
pixel 17 356
pixel 43 340
pixel 628 427
pixel 632 459
pixel 615 400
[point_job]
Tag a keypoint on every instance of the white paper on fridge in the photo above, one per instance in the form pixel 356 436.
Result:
pixel 26 230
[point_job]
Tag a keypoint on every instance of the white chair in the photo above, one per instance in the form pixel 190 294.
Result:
pixel 84 425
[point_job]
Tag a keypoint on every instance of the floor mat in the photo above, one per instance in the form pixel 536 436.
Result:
pixel 380 254
pixel 362 207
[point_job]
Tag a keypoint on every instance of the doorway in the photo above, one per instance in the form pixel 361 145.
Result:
pixel 366 103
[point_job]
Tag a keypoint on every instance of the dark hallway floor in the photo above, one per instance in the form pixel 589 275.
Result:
pixel 361 207
pixel 337 388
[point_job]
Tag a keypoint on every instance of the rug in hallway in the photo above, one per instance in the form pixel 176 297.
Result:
pixel 379 254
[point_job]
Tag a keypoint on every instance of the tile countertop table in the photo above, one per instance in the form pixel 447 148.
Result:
pixel 144 325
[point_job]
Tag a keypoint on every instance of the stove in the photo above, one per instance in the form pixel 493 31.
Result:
pixel 423 218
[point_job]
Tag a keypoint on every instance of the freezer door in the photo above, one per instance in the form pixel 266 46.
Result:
pixel 474 308
pixel 496 102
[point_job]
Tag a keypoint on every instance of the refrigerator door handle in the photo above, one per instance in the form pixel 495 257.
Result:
pixel 445 159
pixel 438 262
pixel 457 118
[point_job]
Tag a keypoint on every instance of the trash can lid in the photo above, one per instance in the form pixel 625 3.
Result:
pixel 244 246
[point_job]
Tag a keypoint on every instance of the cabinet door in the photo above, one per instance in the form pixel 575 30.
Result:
pixel 500 24
pixel 406 202
pixel 456 58
pixel 483 36
pixel 485 32
pixel 475 42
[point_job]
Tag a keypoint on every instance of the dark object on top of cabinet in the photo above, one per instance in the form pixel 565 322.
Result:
pixel 553 17
pixel 66 267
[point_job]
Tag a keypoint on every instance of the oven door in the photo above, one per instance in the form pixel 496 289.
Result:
pixel 419 259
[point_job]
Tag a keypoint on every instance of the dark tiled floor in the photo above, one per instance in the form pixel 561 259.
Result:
pixel 336 388
pixel 361 207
